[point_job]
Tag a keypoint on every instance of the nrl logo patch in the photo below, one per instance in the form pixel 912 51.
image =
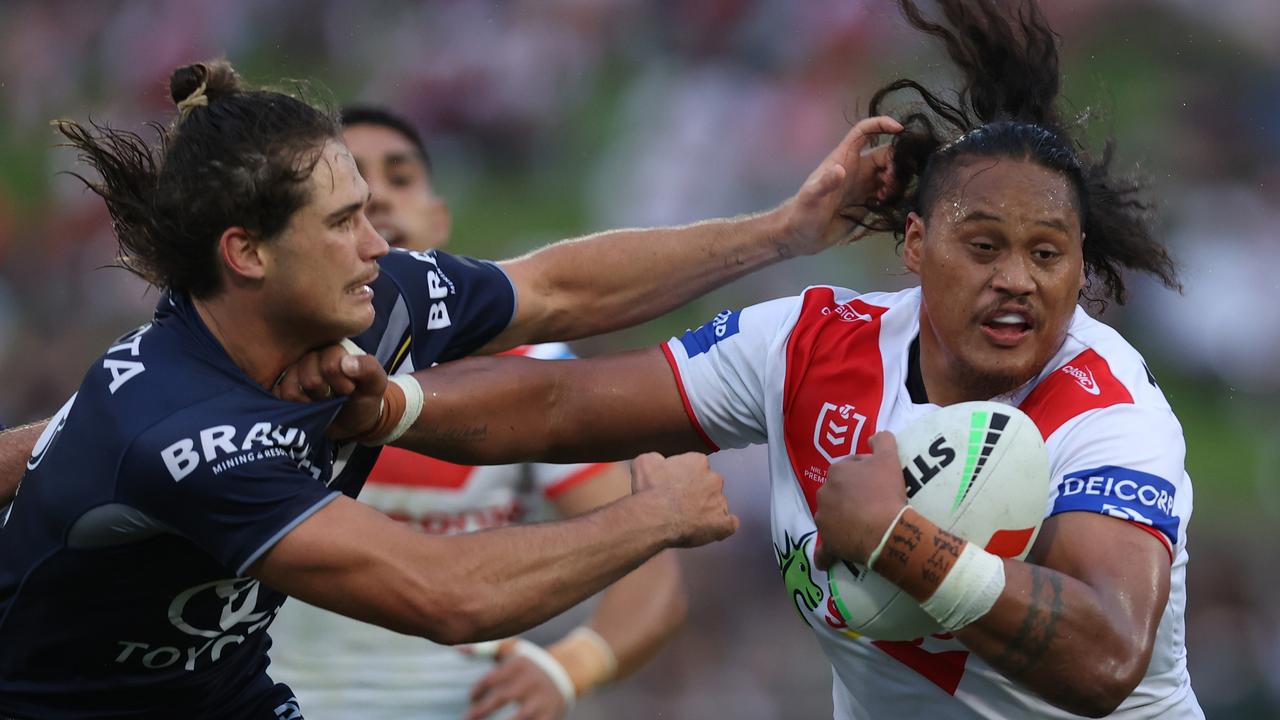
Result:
pixel 837 431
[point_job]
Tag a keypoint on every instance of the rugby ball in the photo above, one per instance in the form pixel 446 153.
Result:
pixel 977 469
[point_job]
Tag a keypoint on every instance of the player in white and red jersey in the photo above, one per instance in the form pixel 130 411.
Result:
pixel 815 376
pixel 1007 226
pixel 343 668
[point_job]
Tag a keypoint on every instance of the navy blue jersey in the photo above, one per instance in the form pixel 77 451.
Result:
pixel 123 557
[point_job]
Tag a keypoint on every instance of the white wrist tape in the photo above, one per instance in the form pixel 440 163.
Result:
pixel 884 539
pixel 969 591
pixel 413 399
pixel 549 665
pixel 584 633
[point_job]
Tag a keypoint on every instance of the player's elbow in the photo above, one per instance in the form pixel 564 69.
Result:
pixel 448 618
pixel 1100 693
pixel 1098 702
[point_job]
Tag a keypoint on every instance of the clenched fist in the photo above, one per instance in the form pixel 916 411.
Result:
pixel 687 494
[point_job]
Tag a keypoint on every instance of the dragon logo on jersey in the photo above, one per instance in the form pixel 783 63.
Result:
pixel 793 562
pixel 836 433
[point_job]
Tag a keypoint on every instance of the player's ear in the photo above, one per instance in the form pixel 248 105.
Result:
pixel 913 244
pixel 243 254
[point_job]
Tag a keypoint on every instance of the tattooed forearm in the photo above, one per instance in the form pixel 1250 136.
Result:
pixel 918 555
pixel 904 538
pixel 1039 626
pixel 946 550
pixel 454 433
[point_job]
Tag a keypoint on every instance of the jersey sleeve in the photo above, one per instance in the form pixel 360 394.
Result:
pixel 235 507
pixel 1126 461
pixel 438 306
pixel 720 370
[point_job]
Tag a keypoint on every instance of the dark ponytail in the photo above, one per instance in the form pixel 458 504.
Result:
pixel 1007 107
pixel 232 157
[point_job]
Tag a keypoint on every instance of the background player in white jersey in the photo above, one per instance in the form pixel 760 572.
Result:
pixel 1008 224
pixel 342 668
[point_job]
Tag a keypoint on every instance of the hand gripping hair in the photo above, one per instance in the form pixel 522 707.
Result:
pixel 1007 107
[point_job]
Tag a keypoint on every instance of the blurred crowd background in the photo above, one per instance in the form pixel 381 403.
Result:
pixel 554 118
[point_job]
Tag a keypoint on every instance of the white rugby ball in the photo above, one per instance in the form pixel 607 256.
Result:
pixel 978 470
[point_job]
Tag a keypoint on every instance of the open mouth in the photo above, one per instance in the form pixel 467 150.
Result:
pixel 363 290
pixel 1007 328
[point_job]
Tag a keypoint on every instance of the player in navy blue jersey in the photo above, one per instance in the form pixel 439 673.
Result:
pixel 173 501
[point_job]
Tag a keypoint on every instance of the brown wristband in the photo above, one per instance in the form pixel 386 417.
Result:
pixel 918 555
pixel 393 405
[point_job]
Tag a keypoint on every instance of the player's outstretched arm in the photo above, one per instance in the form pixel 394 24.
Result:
pixel 1075 624
pixel 16 445
pixel 485 411
pixel 351 559
pixel 634 618
pixel 494 410
pixel 616 279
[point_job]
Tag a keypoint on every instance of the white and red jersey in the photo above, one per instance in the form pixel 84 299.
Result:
pixel 343 668
pixel 816 376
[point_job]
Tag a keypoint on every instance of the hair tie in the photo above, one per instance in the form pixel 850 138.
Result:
pixel 197 98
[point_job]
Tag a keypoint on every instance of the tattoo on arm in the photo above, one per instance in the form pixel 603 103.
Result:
pixel 946 550
pixel 918 555
pixel 454 433
pixel 903 540
pixel 1029 644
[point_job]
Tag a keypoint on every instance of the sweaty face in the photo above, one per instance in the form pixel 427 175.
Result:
pixel 1001 265
pixel 319 270
pixel 404 208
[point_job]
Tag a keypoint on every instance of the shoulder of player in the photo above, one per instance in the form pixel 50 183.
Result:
pixel 147 375
pixel 817 296
pixel 411 265
pixel 223 426
pixel 1097 375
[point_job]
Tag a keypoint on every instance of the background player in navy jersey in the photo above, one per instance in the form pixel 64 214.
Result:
pixel 173 501
pixel 1009 224
pixel 342 668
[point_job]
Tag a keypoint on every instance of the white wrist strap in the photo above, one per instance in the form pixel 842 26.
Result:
pixel 549 665
pixel 605 650
pixel 884 539
pixel 413 399
pixel 969 591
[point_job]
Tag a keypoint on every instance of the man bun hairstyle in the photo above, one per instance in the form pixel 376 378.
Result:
pixel 233 157
pixel 1007 108
pixel 198 84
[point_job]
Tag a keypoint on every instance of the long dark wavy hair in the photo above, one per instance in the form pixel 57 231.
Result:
pixel 233 156
pixel 1007 107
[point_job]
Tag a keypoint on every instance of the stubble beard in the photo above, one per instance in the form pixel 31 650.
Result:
pixel 984 384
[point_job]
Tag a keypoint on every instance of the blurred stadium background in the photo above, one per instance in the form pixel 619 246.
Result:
pixel 555 118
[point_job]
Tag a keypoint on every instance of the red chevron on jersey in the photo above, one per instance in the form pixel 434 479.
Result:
pixel 402 467
pixel 1084 383
pixel 834 385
